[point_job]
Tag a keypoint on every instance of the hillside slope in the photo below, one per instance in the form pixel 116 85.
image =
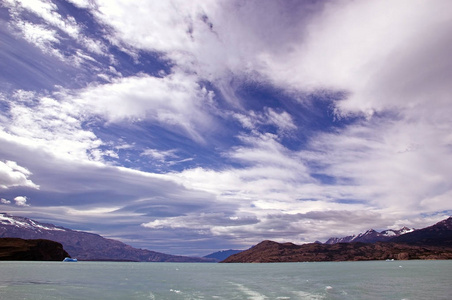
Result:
pixel 439 235
pixel 83 245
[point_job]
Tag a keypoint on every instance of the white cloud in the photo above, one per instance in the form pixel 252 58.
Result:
pixel 42 37
pixel 47 11
pixel 11 175
pixel 398 59
pixel 274 181
pixel 161 156
pixel 282 120
pixel 83 3
pixel 398 64
pixel 21 201
pixel 55 126
pixel 45 35
pixel 252 120
pixel 4 201
pixel 299 46
pixel 400 167
pixel 164 31
pixel 269 169
pixel 217 40
pixel 54 122
pixel 176 101
pixel 96 212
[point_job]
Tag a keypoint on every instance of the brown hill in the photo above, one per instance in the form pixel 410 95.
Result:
pixel 434 242
pixel 20 249
pixel 269 251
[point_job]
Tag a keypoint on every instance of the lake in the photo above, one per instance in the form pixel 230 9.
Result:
pixel 319 280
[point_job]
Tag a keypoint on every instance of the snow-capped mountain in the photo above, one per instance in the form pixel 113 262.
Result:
pixel 25 223
pixel 370 236
pixel 394 233
pixel 439 234
pixel 82 245
pixel 336 240
pixel 433 242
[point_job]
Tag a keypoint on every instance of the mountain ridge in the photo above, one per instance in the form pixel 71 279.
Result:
pixel 433 242
pixel 83 245
pixel 370 236
pixel 439 234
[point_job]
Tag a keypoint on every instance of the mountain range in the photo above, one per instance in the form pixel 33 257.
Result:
pixel 439 235
pixel 83 245
pixel 434 242
pixel 370 236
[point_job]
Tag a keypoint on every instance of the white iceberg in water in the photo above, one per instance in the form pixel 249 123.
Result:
pixel 68 259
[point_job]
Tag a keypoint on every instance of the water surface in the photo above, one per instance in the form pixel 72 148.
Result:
pixel 320 280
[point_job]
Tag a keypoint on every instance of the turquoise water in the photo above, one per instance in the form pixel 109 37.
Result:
pixel 326 280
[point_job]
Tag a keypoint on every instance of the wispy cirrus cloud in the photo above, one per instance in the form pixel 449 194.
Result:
pixel 49 12
pixel 218 46
pixel 396 161
pixel 40 121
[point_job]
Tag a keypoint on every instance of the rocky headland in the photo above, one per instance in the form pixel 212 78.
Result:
pixel 39 249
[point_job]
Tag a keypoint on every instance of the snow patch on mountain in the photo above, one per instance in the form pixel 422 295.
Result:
pixel 6 219
pixel 370 236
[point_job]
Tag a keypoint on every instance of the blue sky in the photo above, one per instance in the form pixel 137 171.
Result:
pixel 188 127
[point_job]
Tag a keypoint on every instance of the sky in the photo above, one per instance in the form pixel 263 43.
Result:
pixel 188 127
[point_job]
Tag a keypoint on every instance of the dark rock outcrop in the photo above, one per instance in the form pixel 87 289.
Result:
pixel 20 249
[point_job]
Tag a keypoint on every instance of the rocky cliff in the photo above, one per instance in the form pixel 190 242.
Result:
pixel 20 249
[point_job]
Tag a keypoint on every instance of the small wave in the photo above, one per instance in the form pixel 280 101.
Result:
pixel 253 295
pixel 308 296
pixel 175 291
